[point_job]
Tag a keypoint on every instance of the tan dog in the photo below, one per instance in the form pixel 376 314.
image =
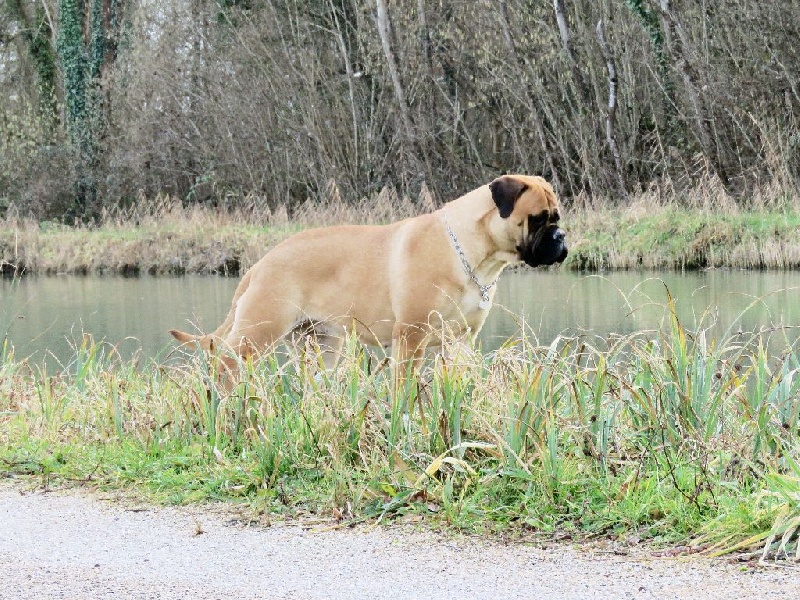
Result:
pixel 401 284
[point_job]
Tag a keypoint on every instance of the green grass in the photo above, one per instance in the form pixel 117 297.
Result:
pixel 673 237
pixel 671 438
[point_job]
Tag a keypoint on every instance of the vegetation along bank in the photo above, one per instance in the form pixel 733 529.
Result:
pixel 704 230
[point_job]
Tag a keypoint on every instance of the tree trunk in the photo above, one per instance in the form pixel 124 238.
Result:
pixel 37 35
pixel 74 63
pixel 384 28
pixel 612 108
pixel 563 29
pixel 584 95
pixel 424 35
pixel 351 77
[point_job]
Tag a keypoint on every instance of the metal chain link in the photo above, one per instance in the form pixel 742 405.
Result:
pixel 484 289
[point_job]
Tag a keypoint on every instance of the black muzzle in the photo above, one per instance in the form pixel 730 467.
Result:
pixel 543 246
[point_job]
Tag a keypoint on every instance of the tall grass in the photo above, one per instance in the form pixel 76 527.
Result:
pixel 657 228
pixel 669 436
pixel 161 235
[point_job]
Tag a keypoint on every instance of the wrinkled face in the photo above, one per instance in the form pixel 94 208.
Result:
pixel 529 209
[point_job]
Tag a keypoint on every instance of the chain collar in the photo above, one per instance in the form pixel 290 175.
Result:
pixel 485 302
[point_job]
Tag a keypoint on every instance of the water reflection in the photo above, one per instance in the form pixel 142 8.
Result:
pixel 48 315
pixel 554 303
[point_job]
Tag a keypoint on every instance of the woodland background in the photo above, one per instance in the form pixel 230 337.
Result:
pixel 276 102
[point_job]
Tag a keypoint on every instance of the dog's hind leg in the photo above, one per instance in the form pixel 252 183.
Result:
pixel 323 340
pixel 256 330
pixel 330 345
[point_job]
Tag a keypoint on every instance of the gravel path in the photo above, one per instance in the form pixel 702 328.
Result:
pixel 75 545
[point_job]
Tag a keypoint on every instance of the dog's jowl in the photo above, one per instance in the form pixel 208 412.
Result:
pixel 403 284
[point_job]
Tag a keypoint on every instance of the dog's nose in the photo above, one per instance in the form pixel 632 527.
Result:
pixel 559 235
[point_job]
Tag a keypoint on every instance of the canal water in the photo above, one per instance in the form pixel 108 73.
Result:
pixel 47 317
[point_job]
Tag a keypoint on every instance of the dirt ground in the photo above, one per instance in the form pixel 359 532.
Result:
pixel 74 544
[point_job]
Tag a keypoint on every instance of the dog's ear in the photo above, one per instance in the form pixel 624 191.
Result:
pixel 505 191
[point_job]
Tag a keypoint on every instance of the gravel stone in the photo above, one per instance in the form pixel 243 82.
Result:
pixel 75 545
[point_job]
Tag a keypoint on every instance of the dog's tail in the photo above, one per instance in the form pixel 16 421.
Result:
pixel 206 342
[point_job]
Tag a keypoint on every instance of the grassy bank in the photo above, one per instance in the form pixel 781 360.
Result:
pixel 664 437
pixel 655 230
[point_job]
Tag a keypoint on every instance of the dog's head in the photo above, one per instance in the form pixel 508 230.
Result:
pixel 528 210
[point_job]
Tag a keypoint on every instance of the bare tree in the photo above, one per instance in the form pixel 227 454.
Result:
pixel 269 102
pixel 612 107
pixel 384 31
pixel 563 29
pixel 534 113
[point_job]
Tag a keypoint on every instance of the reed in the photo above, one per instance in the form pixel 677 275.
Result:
pixel 664 436
pixel 657 228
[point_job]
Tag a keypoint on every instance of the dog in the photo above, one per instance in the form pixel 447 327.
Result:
pixel 401 285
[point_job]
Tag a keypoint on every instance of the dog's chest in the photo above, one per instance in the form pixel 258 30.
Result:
pixel 472 309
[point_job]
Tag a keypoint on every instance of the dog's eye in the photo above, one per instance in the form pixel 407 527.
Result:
pixel 537 221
